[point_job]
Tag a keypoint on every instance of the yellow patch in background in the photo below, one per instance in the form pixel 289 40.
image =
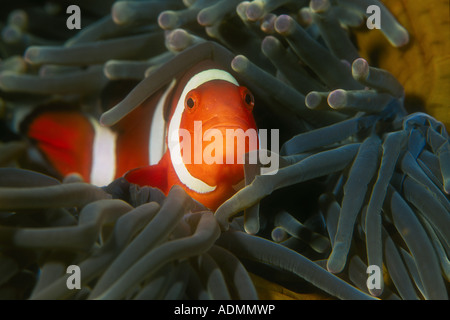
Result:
pixel 422 66
pixel 271 291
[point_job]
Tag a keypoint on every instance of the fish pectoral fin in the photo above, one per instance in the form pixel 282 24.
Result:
pixel 152 176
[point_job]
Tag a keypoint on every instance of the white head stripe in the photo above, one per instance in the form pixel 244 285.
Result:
pixel 182 172
pixel 103 167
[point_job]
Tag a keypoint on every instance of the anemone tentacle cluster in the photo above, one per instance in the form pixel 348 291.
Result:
pixel 362 182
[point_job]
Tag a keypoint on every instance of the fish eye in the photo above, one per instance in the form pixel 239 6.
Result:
pixel 191 100
pixel 248 98
pixel 190 103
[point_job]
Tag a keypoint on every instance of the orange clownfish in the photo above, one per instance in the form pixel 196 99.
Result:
pixel 206 103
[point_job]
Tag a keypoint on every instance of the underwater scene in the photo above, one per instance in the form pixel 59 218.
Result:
pixel 224 150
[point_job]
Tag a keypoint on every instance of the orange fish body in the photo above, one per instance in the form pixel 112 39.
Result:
pixel 206 101
pixel 193 133
pixel 73 142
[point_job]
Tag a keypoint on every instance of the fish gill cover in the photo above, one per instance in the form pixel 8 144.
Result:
pixel 363 179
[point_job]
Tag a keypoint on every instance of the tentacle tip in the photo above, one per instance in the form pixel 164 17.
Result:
pixel 167 20
pixel 204 19
pixel 239 63
pixel 121 12
pixel 73 178
pixel 401 39
pixel 376 292
pixel 255 11
pixel 334 267
pixel 336 261
pixel 278 234
pixel 251 227
pixel 306 16
pixel 360 69
pixel 178 39
pixel 284 24
pixel 318 6
pixel 18 18
pixel 312 100
pixel 241 9
pixel 32 54
pixel 337 99
pixel 105 120
pixel 109 69
pixel 269 45
pixel 268 23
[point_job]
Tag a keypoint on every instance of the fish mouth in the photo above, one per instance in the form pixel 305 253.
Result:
pixel 229 127
pixel 227 123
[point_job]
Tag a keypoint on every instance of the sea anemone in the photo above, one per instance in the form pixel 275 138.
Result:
pixel 363 181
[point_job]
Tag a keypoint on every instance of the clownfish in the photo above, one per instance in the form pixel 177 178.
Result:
pixel 141 147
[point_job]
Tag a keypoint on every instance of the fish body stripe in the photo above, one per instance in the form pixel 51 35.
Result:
pixel 103 167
